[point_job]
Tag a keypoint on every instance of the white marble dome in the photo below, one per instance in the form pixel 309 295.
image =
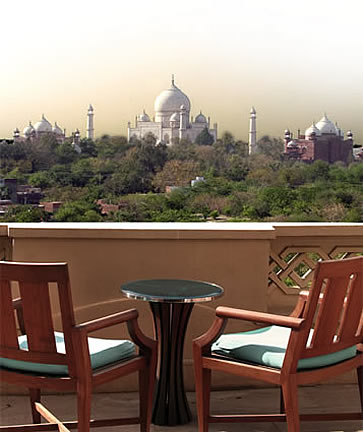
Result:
pixel 28 130
pixel 43 125
pixel 312 129
pixel 144 117
pixel 57 130
pixel 326 126
pixel 171 99
pixel 200 118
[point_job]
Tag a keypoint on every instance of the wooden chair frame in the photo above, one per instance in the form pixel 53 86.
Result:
pixel 35 320
pixel 336 298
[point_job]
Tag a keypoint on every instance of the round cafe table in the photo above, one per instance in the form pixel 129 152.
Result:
pixel 171 302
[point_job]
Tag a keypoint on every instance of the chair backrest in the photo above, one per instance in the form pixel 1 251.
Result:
pixel 34 282
pixel 334 308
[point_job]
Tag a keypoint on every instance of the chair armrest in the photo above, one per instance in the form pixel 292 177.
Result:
pixel 261 317
pixel 146 345
pixel 107 321
pixel 18 306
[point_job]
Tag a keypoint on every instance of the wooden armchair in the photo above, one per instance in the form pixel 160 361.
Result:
pixel 321 339
pixel 43 359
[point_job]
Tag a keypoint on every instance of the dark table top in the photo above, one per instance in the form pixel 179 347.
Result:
pixel 172 290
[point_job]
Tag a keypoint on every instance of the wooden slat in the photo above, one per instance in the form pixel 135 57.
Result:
pixel 38 316
pixel 242 369
pixel 330 311
pixel 33 272
pixel 36 381
pixel 8 334
pixel 47 415
pixel 260 418
pixel 33 356
pixel 70 425
pixel 353 309
pixel 68 320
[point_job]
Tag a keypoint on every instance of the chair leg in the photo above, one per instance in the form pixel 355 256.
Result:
pixel 290 395
pixel 202 390
pixel 146 390
pixel 84 393
pixel 282 403
pixel 35 397
pixel 360 384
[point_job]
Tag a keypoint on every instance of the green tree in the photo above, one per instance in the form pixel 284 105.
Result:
pixel 77 211
pixel 25 213
pixel 60 175
pixel 65 153
pixel 41 179
pixel 176 173
pixel 130 178
pixel 82 172
pixel 111 146
pixel 42 152
pixel 204 138
pixel 272 147
pixel 88 147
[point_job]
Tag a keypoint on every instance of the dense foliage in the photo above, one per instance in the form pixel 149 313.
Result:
pixel 135 175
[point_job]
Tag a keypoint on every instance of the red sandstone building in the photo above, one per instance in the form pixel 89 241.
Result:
pixel 323 140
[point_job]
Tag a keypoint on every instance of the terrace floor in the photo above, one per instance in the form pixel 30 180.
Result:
pixel 322 398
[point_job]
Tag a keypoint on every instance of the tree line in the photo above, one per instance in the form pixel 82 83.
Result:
pixel 135 175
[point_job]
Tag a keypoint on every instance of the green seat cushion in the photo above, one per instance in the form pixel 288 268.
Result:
pixel 102 353
pixel 267 346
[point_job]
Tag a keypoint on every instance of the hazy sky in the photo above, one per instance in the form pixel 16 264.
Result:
pixel 293 60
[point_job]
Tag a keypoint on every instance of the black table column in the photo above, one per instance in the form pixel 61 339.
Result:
pixel 170 402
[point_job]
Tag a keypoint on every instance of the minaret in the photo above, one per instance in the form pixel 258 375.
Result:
pixel 183 122
pixel 16 134
pixel 128 131
pixel 252 143
pixel 90 128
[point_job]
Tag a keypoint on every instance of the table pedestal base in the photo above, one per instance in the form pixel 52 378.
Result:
pixel 170 402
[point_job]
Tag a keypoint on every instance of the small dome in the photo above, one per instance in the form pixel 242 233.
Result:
pixel 312 130
pixel 291 144
pixel 175 117
pixel 171 99
pixel 43 125
pixel 28 130
pixel 253 111
pixel 326 126
pixel 57 130
pixel 200 118
pixel 144 117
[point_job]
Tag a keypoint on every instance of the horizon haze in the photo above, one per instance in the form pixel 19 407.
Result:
pixel 293 61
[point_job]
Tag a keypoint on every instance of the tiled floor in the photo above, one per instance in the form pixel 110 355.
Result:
pixel 328 398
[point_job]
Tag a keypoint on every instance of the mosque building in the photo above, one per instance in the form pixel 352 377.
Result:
pixel 41 128
pixel 172 119
pixel 323 140
pixel 44 128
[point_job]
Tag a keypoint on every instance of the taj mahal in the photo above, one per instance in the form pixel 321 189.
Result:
pixel 172 119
